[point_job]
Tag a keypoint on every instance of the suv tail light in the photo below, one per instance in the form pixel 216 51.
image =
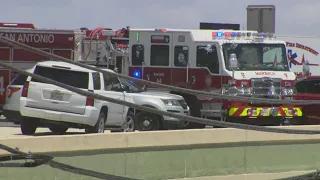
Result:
pixel 25 89
pixel 90 100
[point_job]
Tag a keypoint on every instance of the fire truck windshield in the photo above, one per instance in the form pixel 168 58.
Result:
pixel 257 56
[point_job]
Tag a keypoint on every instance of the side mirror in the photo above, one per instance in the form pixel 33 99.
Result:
pixel 125 88
pixel 306 68
pixel 233 62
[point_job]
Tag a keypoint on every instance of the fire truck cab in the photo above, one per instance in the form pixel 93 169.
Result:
pixel 237 63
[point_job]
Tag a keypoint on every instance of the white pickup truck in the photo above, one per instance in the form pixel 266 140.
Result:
pixel 47 105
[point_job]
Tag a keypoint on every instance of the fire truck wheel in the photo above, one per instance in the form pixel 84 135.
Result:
pixel 146 121
pixel 58 129
pixel 28 125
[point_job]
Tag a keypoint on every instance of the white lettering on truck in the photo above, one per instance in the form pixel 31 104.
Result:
pixel 30 38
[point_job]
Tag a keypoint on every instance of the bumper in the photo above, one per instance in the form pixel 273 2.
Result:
pixel 177 110
pixel 89 118
pixel 264 112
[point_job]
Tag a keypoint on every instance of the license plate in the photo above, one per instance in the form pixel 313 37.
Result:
pixel 264 111
pixel 56 96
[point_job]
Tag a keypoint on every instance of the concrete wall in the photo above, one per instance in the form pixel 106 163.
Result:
pixel 171 154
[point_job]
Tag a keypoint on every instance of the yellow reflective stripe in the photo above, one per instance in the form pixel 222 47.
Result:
pixel 299 111
pixel 245 112
pixel 232 111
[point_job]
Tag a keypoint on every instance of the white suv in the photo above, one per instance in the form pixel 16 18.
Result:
pixel 43 104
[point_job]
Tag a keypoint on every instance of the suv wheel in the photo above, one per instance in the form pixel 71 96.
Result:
pixel 100 125
pixel 146 121
pixel 129 125
pixel 58 129
pixel 28 125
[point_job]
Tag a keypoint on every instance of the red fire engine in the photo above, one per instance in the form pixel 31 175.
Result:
pixel 238 63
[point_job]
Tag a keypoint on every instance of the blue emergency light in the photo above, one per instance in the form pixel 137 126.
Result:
pixel 219 34
pixel 137 74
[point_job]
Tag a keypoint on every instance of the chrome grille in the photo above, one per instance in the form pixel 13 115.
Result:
pixel 183 104
pixel 261 86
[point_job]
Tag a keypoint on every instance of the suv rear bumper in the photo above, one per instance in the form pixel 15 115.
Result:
pixel 89 118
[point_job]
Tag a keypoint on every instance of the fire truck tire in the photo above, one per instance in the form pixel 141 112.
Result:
pixel 145 121
pixel 28 125
pixel 58 129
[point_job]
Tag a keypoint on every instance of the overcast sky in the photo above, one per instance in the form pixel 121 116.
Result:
pixel 293 17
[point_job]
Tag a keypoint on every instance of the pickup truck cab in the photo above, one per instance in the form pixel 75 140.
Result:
pixel 308 88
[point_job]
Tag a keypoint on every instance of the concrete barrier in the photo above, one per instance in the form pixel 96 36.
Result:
pixel 189 151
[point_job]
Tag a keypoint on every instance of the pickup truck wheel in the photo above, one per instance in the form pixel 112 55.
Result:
pixel 100 125
pixel 147 121
pixel 57 129
pixel 28 125
pixel 129 125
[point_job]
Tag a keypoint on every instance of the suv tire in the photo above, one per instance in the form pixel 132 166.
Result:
pixel 100 125
pixel 58 129
pixel 129 125
pixel 28 125
pixel 146 121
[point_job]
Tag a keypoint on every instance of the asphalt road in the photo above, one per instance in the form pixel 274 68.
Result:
pixel 9 129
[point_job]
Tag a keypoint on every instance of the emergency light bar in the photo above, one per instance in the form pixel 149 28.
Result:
pixel 241 35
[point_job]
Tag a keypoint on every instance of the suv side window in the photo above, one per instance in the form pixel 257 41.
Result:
pixel 96 81
pixel 111 83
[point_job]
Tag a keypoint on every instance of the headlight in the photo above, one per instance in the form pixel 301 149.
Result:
pixel 239 91
pixel 170 102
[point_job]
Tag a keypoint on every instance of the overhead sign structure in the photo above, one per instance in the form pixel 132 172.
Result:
pixel 261 18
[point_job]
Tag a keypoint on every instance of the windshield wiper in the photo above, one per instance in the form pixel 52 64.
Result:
pixel 38 160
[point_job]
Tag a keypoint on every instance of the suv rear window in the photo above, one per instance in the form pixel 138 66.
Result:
pixel 19 80
pixel 72 78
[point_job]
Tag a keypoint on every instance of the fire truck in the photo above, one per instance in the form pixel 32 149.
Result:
pixel 237 63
